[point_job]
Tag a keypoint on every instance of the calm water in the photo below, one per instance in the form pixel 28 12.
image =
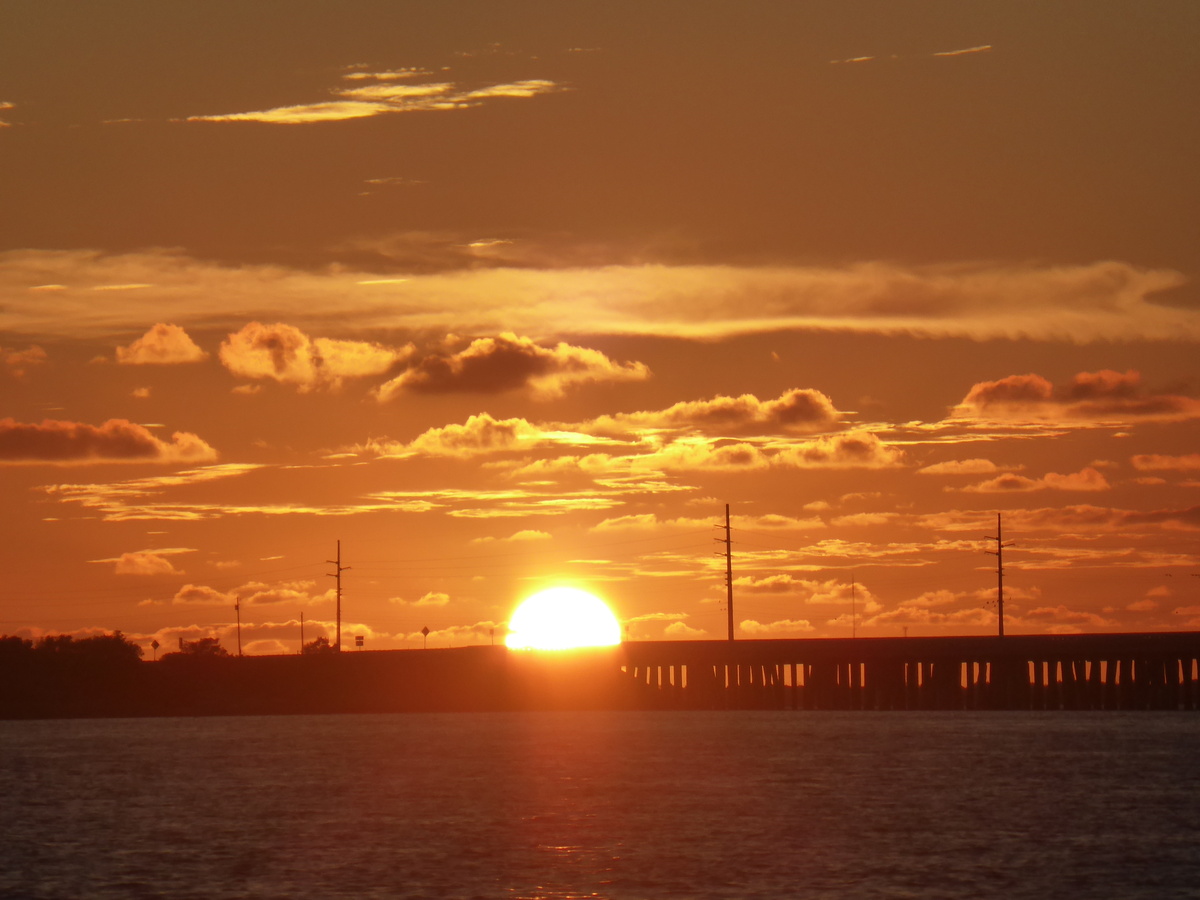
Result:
pixel 604 805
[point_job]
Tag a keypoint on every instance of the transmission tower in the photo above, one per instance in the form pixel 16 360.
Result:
pixel 999 554
pixel 337 573
pixel 728 542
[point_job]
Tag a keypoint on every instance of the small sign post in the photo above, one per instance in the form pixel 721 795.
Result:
pixel 425 637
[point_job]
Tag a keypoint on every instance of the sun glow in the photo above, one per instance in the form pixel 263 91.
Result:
pixel 560 619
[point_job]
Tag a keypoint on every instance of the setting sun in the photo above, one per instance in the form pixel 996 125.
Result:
pixel 563 618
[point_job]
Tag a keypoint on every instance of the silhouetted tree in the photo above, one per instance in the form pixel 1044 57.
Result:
pixel 318 646
pixel 208 648
pixel 99 650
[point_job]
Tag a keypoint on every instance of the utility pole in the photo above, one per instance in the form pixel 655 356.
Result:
pixel 853 606
pixel 337 646
pixel 728 542
pixel 237 608
pixel 999 554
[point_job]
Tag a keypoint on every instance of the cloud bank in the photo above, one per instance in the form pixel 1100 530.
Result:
pixel 74 443
pixel 1101 301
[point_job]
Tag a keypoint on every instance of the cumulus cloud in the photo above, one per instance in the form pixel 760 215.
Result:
pixel 432 598
pixel 797 410
pixel 684 631
pixel 479 434
pixel 146 562
pixel 1089 397
pixel 287 355
pixel 385 97
pixel 781 626
pixel 74 443
pixel 17 363
pixel 202 595
pixel 1062 619
pixel 256 593
pixel 857 449
pixel 1086 479
pixel 161 345
pixel 511 363
pixel 769 584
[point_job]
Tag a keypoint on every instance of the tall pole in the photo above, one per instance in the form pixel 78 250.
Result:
pixel 728 542
pixel 999 554
pixel 853 606
pixel 301 632
pixel 237 608
pixel 337 574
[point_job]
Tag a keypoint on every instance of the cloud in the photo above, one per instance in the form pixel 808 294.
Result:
pixel 684 631
pixel 961 467
pixel 1090 397
pixel 1081 518
pixel 202 595
pixel 255 593
pixel 797 410
pixel 770 584
pixel 857 449
pixel 519 537
pixel 287 355
pixel 479 434
pixel 117 440
pixel 386 97
pixel 1101 301
pixel 432 598
pixel 161 345
pixel 1061 619
pixel 511 363
pixel 782 626
pixel 17 363
pixel 1086 479
pixel 982 48
pixel 146 562
pixel 1154 462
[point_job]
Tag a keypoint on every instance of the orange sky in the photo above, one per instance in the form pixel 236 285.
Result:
pixel 522 297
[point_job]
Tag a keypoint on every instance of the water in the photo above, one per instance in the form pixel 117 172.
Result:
pixel 604 805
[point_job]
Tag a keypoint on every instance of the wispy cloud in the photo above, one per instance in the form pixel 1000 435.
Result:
pixel 1102 301
pixel 982 48
pixel 18 363
pixel 378 94
pixel 1157 462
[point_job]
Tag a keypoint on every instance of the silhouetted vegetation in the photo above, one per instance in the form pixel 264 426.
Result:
pixel 318 646
pixel 62 675
pixel 201 648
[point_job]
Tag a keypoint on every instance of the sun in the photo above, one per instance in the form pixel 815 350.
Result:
pixel 562 618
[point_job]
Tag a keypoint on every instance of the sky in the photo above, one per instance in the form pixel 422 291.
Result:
pixel 518 295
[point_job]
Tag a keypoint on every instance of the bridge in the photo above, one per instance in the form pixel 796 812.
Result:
pixel 1060 671
pixel 1015 672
